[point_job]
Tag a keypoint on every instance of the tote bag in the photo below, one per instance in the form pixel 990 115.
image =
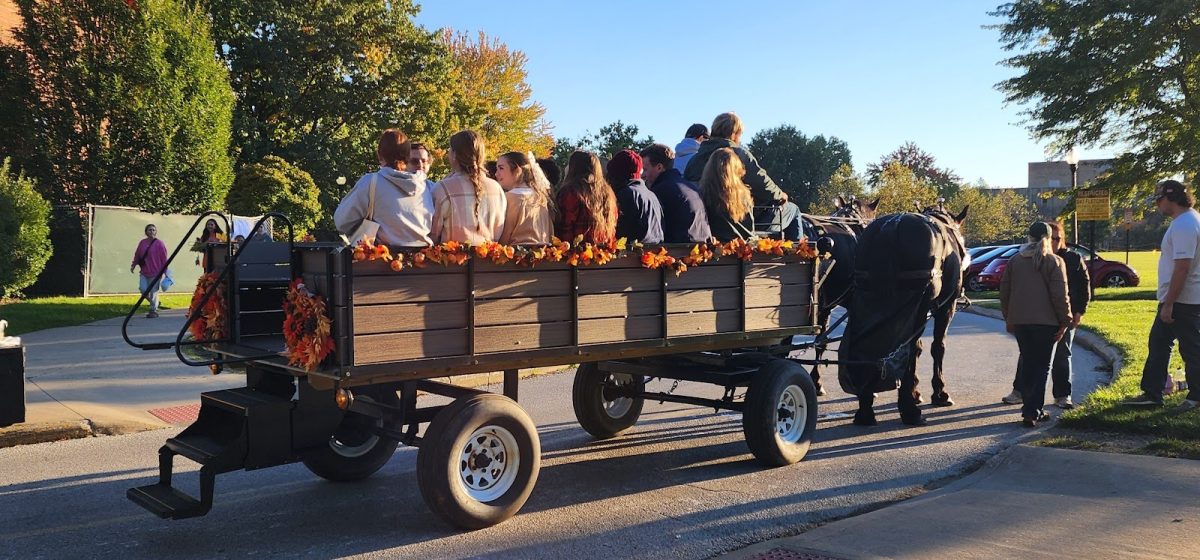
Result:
pixel 368 228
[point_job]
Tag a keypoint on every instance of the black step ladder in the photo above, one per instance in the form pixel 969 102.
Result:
pixel 241 428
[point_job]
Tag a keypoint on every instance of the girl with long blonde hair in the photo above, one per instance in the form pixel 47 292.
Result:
pixel 469 207
pixel 586 204
pixel 528 219
pixel 727 199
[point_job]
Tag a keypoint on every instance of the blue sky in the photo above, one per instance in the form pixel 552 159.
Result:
pixel 873 73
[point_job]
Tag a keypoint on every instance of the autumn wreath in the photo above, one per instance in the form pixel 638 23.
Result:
pixel 209 323
pixel 306 327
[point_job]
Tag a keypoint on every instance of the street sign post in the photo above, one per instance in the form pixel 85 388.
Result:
pixel 1093 205
pixel 1128 228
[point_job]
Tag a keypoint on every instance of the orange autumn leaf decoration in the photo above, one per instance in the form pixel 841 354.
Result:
pixel 307 330
pixel 210 321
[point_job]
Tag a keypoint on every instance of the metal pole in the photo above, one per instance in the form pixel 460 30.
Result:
pixel 1092 242
pixel 1128 227
pixel 1075 215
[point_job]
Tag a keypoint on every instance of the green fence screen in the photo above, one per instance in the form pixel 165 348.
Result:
pixel 114 237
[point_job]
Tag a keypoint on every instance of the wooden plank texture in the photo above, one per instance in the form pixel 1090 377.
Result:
pixel 510 311
pixel 400 288
pixel 521 337
pixel 704 300
pixel 394 347
pixel 704 322
pixel 778 317
pixel 712 275
pixel 595 331
pixel 604 281
pixel 374 319
pixel 527 283
pixel 763 295
pixel 627 304
pixel 778 272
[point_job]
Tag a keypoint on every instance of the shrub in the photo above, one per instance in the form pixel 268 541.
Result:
pixel 24 232
pixel 274 185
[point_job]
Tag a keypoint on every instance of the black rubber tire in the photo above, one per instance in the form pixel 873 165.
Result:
pixel 587 398
pixel 1116 280
pixel 331 461
pixel 439 461
pixel 759 420
pixel 973 284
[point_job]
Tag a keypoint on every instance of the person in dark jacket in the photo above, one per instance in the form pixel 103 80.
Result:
pixel 727 199
pixel 640 215
pixel 1079 294
pixel 776 213
pixel 684 219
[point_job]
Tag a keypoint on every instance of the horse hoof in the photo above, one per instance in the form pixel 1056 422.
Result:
pixel 914 420
pixel 820 391
pixel 919 400
pixel 944 401
pixel 865 420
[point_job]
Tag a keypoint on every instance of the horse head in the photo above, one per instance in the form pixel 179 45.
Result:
pixel 855 209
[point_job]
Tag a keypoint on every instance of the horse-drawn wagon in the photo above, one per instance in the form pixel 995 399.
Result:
pixel 342 352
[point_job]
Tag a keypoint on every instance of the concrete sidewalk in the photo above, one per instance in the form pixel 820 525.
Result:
pixel 1029 502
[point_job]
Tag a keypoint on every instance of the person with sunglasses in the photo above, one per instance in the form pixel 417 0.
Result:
pixel 1178 316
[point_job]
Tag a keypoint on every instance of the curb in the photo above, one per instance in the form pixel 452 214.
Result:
pixel 46 432
pixel 1083 337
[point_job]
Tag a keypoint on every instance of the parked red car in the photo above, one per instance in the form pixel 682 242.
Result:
pixel 980 258
pixel 1104 273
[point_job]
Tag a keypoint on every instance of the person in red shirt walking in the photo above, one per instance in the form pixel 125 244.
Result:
pixel 151 256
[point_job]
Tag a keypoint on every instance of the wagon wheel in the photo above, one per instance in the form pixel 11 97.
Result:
pixel 599 411
pixel 354 451
pixel 478 461
pixel 780 413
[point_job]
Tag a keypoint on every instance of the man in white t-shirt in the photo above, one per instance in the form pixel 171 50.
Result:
pixel 1178 316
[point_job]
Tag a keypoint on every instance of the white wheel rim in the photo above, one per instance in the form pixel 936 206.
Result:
pixel 791 414
pixel 488 463
pixel 346 450
pixel 619 406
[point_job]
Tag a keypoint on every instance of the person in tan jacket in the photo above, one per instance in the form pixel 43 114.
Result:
pixel 468 207
pixel 1033 298
pixel 527 221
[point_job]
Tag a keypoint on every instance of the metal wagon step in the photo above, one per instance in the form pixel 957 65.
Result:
pixel 241 428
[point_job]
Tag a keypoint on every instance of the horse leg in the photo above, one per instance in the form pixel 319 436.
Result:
pixel 910 414
pixel 865 416
pixel 819 349
pixel 941 323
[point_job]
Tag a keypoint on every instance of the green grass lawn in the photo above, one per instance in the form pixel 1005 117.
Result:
pixel 1122 316
pixel 46 313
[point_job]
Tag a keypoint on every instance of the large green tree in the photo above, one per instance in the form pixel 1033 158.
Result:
pixel 612 137
pixel 317 82
pixel 900 190
pixel 116 102
pixel 923 166
pixel 1122 75
pixel 844 182
pixel 799 164
pixel 996 215
pixel 24 231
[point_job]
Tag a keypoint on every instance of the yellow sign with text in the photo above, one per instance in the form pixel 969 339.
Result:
pixel 1093 205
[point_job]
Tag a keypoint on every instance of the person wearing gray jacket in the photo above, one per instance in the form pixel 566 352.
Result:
pixel 403 205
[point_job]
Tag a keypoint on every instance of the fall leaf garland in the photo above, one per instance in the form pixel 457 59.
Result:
pixel 579 253
pixel 307 330
pixel 209 323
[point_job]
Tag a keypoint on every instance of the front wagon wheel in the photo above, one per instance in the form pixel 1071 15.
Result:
pixel 780 413
pixel 354 451
pixel 599 406
pixel 478 461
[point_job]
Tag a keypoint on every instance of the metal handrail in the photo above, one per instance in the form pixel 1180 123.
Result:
pixel 158 278
pixel 179 343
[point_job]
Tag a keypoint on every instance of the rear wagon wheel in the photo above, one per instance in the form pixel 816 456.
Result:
pixel 599 411
pixel 354 451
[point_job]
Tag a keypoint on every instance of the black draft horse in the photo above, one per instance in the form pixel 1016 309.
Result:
pixel 849 219
pixel 907 266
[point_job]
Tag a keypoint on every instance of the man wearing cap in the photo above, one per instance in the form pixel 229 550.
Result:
pixel 1178 316
pixel 686 148
pixel 639 215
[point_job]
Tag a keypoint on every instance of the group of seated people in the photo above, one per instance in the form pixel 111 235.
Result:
pixel 646 196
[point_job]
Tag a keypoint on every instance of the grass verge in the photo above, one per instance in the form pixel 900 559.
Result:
pixel 35 314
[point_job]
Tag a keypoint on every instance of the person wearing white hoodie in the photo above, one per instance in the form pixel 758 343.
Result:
pixel 686 148
pixel 403 202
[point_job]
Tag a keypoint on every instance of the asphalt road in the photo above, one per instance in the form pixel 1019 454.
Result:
pixel 681 484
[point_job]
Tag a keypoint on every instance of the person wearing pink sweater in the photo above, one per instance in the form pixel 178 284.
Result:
pixel 151 255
